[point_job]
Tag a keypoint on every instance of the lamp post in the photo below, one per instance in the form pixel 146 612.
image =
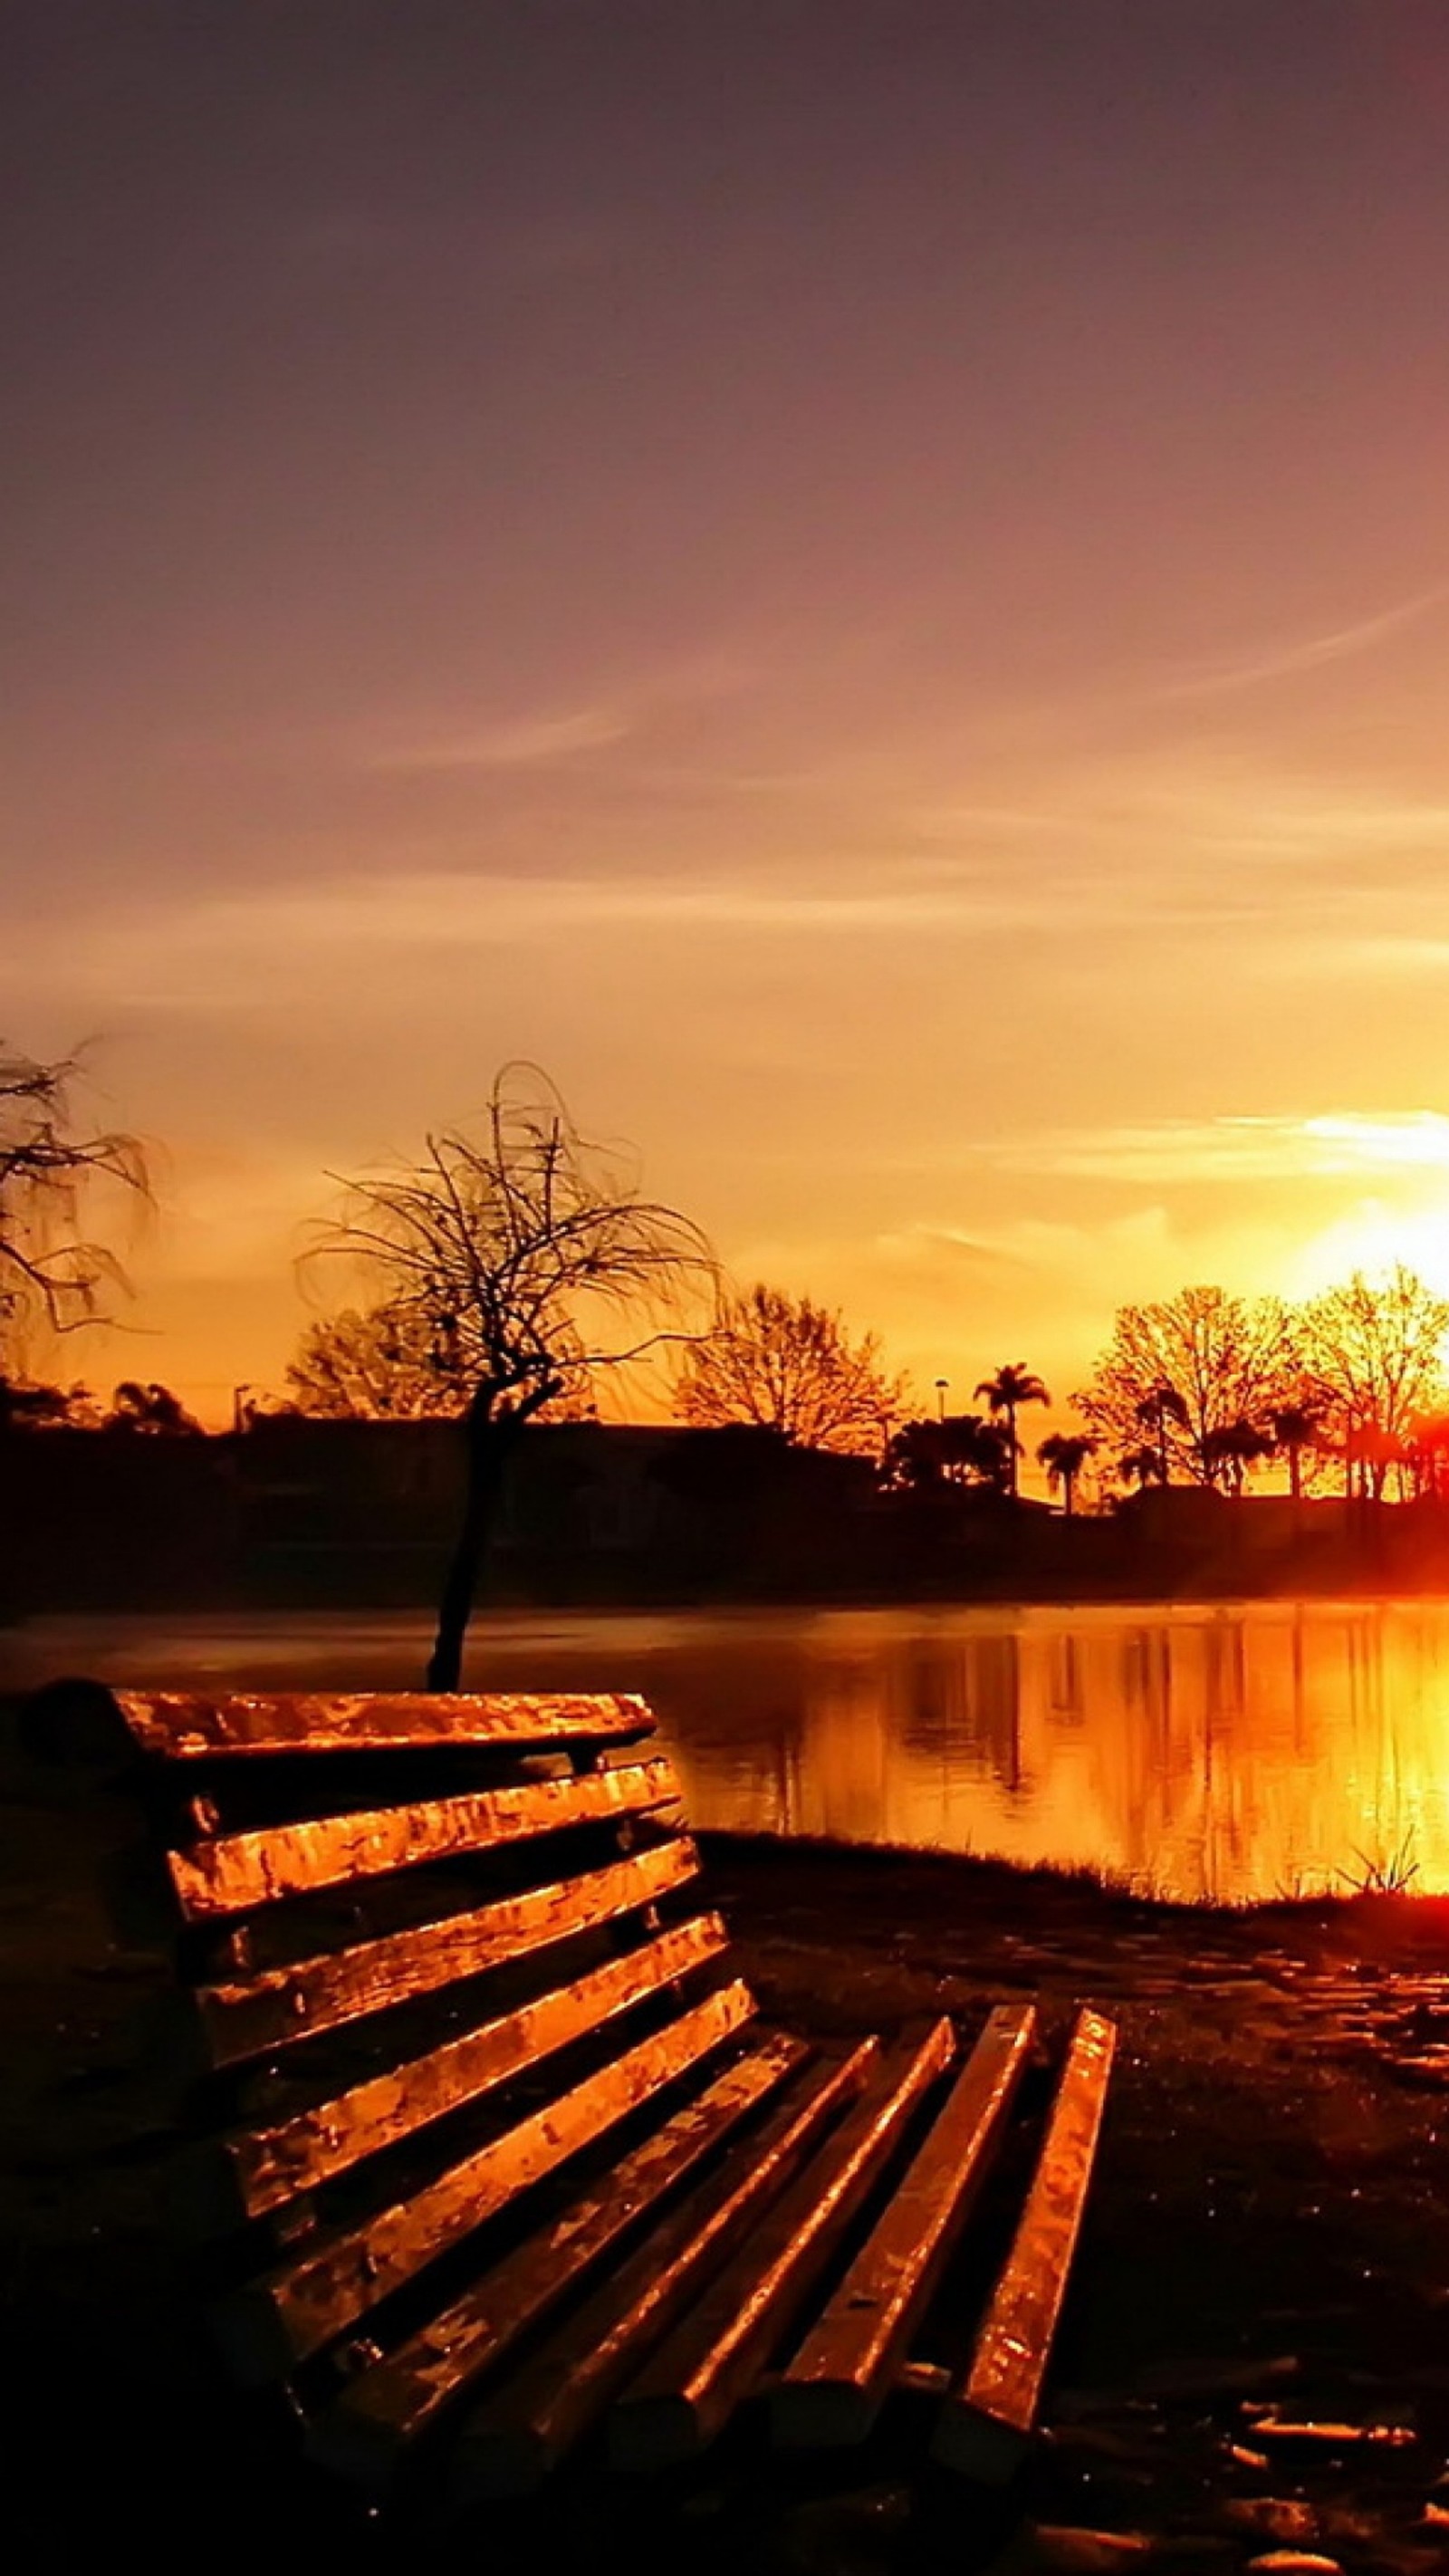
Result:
pixel 941 1385
pixel 238 1409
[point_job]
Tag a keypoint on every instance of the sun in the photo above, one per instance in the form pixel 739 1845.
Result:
pixel 1376 1235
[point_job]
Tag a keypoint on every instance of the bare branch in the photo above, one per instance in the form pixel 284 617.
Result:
pixel 523 1252
pixel 47 1167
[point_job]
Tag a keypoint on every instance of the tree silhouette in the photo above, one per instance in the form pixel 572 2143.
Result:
pixel 1230 1451
pixel 957 1449
pixel 1430 1453
pixel 152 1410
pixel 1013 1385
pixel 1294 1428
pixel 1064 1454
pixel 532 1259
pixel 376 1364
pixel 1140 1467
pixel 1186 1368
pixel 1372 1364
pixel 1155 1411
pixel 49 1265
pixel 787 1365
pixel 34 1406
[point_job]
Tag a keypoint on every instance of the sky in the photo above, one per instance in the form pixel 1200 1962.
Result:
pixel 867 583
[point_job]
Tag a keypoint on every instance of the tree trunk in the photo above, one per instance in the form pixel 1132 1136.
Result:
pixel 488 1445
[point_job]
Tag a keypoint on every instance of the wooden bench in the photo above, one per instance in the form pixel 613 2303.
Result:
pixel 487 2150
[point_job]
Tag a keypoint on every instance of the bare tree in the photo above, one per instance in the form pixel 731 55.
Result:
pixel 1189 1368
pixel 530 1257
pixel 1373 1363
pixel 375 1364
pixel 788 1365
pixel 50 1266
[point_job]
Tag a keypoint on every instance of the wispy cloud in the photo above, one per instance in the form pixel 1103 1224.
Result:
pixel 1184 1152
pixel 1305 653
pixel 245 948
pixel 522 742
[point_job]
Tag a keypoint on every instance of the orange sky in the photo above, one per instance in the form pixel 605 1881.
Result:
pixel 868 584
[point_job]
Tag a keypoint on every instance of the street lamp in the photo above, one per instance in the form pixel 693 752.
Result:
pixel 941 1385
pixel 238 1410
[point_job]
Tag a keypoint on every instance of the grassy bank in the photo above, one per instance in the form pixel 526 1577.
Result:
pixel 1270 2225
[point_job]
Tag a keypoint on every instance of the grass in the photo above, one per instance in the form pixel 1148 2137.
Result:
pixel 1389 1876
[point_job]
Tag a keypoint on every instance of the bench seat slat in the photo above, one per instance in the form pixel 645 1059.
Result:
pixel 279 2006
pixel 493 2160
pixel 267 2167
pixel 507 2446
pixel 299 2307
pixel 180 1726
pixel 986 2422
pixel 229 1875
pixel 683 2396
pixel 387 2409
pixel 834 2388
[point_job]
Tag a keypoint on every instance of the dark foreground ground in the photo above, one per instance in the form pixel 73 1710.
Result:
pixel 1268 2243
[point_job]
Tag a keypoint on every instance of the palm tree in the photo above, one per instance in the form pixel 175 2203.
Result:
pixel 1155 1411
pixel 1430 1448
pixel 959 1449
pixel 1294 1429
pixel 975 1451
pixel 1064 1454
pixel 1230 1450
pixel 1141 1467
pixel 1013 1385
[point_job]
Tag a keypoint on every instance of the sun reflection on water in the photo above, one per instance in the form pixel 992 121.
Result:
pixel 1233 1753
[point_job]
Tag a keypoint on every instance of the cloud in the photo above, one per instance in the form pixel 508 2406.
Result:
pixel 1185 1153
pixel 264 946
pixel 1308 653
pixel 525 742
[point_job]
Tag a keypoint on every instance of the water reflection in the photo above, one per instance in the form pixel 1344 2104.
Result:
pixel 1230 1752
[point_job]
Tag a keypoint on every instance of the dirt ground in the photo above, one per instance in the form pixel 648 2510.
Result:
pixel 1267 2246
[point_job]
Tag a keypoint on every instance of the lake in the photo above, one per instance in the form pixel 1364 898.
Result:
pixel 1226 1751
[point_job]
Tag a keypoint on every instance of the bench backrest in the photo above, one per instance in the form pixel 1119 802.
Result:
pixel 433 1950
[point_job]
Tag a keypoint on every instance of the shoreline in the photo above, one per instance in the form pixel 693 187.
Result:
pixel 1268 2223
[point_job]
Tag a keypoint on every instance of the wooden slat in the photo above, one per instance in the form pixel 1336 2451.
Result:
pixel 186 1726
pixel 279 2006
pixel 834 2388
pixel 267 2167
pixel 508 2445
pixel 687 2391
pixel 389 2408
pixel 985 2424
pixel 226 1876
pixel 301 2306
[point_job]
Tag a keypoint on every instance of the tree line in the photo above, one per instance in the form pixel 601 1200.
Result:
pixel 512 1268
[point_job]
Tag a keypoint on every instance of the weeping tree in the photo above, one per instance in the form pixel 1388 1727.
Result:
pixel 54 1271
pixel 529 1262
